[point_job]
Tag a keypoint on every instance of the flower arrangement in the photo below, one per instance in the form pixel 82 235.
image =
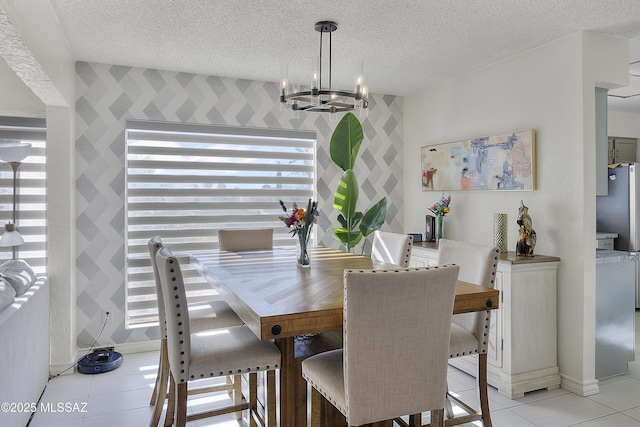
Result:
pixel 301 221
pixel 441 208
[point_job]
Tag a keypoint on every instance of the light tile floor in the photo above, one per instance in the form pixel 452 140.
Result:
pixel 121 398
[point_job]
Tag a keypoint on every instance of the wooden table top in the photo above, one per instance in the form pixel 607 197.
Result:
pixel 277 299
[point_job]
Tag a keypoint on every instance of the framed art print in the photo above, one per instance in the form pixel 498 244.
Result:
pixel 503 162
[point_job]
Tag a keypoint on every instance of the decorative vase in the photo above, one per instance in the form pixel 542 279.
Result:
pixel 303 250
pixel 439 227
pixel 500 232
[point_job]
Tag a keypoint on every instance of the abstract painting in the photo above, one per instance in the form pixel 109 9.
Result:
pixel 503 162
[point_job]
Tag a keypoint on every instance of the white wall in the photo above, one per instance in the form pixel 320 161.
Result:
pixel 551 90
pixel 47 69
pixel 623 124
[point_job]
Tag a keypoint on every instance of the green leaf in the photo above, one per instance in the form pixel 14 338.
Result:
pixel 342 221
pixel 356 220
pixel 345 141
pixel 374 217
pixel 349 239
pixel 347 196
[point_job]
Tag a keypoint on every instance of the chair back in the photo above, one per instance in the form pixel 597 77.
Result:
pixel 155 244
pixel 396 341
pixel 478 265
pixel 177 314
pixel 392 248
pixel 234 240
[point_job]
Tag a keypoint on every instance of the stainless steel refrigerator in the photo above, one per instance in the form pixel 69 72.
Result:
pixel 619 212
pixel 615 315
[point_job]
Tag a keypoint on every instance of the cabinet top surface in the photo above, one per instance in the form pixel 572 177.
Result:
pixel 602 235
pixel 606 256
pixel 509 257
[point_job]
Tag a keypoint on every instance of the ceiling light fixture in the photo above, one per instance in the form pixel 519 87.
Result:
pixel 322 97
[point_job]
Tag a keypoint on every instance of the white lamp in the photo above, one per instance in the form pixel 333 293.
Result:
pixel 11 237
pixel 13 153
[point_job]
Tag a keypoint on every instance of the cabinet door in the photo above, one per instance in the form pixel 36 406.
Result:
pixel 423 257
pixel 624 150
pixel 494 353
pixel 417 260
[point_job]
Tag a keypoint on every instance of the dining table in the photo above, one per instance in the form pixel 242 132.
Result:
pixel 281 301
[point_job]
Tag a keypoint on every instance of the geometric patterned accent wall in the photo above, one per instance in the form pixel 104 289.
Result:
pixel 107 95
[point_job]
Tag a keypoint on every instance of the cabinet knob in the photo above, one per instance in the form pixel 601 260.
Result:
pixel 276 329
pixel 489 303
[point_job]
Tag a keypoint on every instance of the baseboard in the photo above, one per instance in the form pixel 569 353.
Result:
pixel 581 388
pixel 62 369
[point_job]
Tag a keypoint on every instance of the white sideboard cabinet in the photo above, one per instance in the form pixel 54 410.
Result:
pixel 523 350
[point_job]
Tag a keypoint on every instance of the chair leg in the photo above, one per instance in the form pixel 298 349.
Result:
pixel 415 420
pixel 181 405
pixel 229 383
pixel 481 384
pixel 171 403
pixel 253 399
pixel 437 418
pixel 447 404
pixel 316 407
pixel 160 390
pixel 156 387
pixel 237 393
pixel 271 399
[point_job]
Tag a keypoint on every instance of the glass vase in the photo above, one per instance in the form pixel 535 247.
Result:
pixel 439 227
pixel 303 250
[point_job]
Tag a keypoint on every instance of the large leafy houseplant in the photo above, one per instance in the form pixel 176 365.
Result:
pixel 354 225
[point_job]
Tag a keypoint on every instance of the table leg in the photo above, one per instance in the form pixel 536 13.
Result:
pixel 483 389
pixel 287 381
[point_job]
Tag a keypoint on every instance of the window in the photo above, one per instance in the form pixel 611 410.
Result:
pixel 185 181
pixel 31 192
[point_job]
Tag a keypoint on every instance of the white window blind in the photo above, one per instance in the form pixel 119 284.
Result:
pixel 185 182
pixel 31 191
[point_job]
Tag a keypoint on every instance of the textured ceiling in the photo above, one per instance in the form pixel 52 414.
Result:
pixel 404 45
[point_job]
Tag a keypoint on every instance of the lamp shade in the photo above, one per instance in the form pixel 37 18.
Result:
pixel 11 237
pixel 14 151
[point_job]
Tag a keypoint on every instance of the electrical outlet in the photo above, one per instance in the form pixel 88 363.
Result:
pixel 107 316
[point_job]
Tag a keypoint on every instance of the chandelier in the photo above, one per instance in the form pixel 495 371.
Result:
pixel 322 97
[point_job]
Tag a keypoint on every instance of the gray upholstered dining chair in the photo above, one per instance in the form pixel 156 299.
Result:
pixel 404 373
pixel 470 331
pixel 245 240
pixel 208 354
pixel 203 316
pixel 392 248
